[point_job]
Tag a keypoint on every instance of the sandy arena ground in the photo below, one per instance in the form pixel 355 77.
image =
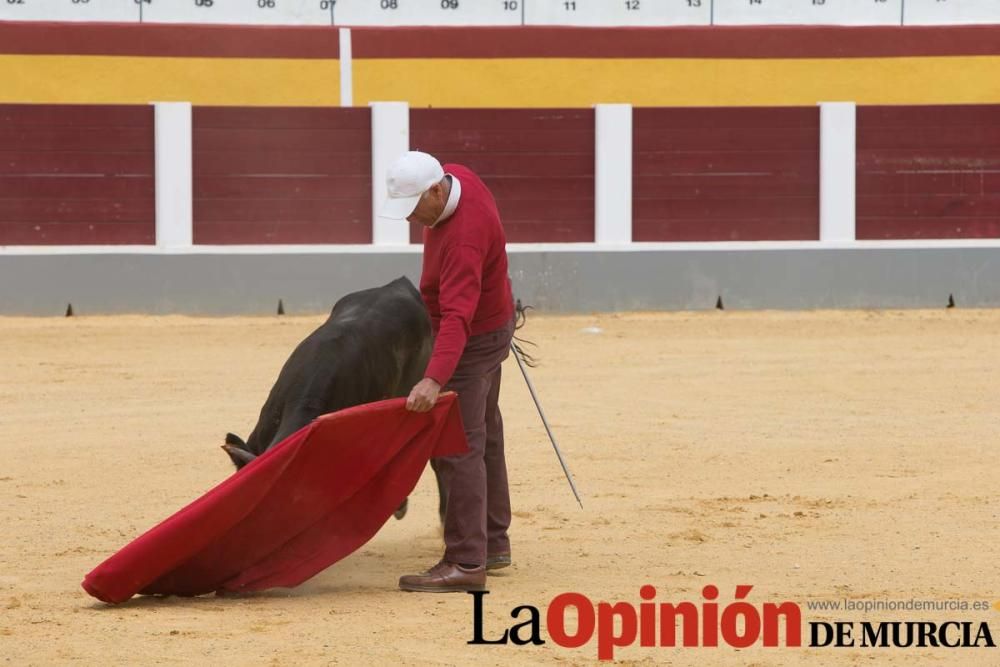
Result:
pixel 815 456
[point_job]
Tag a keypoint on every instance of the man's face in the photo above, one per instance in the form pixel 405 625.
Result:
pixel 430 207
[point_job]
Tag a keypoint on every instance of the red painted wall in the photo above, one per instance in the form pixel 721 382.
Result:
pixel 928 172
pixel 85 174
pixel 725 174
pixel 282 175
pixel 76 175
pixel 539 164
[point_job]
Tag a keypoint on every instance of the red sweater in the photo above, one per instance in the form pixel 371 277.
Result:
pixel 464 282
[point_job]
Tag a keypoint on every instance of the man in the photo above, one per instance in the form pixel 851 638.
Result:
pixel 465 286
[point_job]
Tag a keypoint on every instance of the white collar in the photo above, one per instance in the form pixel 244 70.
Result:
pixel 453 197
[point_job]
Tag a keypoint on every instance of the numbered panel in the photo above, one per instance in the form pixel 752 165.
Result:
pixel 618 12
pixel 428 12
pixel 808 12
pixel 69 10
pixel 937 12
pixel 510 12
pixel 254 12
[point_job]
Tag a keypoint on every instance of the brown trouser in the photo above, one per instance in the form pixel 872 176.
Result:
pixel 478 510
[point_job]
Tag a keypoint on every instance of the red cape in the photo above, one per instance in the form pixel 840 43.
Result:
pixel 310 500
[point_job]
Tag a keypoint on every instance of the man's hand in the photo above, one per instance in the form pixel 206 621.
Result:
pixel 423 396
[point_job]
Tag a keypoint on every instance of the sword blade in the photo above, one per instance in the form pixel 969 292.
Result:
pixel 541 413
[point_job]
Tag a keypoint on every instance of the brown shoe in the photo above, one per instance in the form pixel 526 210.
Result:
pixel 498 561
pixel 445 577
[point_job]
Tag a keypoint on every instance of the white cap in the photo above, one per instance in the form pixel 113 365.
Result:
pixel 408 178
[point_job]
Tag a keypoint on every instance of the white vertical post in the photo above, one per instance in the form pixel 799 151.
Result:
pixel 613 174
pixel 837 150
pixel 174 199
pixel 390 139
pixel 346 69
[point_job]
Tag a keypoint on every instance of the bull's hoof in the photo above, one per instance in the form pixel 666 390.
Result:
pixel 401 510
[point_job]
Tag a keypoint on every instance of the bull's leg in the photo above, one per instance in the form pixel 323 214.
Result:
pixel 401 510
pixel 442 491
pixel 411 373
pixel 442 499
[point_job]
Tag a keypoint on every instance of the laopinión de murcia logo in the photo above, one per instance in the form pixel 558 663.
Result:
pixel 709 624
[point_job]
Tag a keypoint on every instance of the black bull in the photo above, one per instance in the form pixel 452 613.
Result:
pixel 375 345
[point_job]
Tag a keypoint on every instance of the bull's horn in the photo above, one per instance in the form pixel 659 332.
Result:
pixel 240 457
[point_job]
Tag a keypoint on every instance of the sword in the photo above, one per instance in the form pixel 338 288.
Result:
pixel 534 397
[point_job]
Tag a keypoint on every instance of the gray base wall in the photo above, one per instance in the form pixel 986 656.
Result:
pixel 562 281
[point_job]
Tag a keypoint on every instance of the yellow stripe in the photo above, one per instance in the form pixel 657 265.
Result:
pixel 138 80
pixel 560 82
pixel 537 82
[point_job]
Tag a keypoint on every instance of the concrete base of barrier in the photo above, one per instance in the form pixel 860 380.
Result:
pixel 563 280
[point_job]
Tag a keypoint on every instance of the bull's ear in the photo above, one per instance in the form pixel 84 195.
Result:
pixel 240 457
pixel 235 441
